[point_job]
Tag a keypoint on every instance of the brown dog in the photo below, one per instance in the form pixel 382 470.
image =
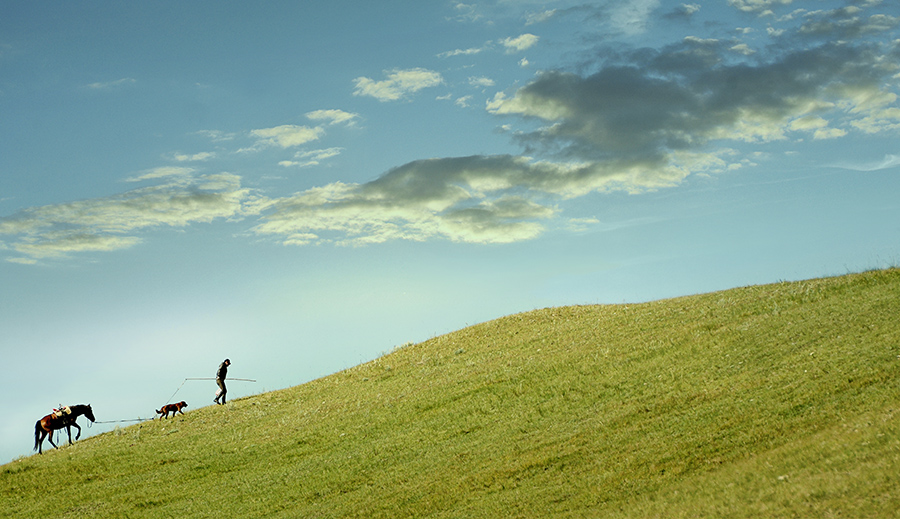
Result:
pixel 171 408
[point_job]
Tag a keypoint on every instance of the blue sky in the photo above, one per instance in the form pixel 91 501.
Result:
pixel 303 186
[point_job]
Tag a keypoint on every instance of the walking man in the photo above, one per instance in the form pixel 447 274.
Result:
pixel 220 381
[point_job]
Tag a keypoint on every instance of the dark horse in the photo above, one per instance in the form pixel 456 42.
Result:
pixel 45 426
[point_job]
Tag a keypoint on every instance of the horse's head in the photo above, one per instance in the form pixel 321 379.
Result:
pixel 89 413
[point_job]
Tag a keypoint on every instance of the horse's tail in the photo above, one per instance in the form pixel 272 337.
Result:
pixel 37 434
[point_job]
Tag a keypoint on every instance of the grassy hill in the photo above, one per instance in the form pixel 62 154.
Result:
pixel 768 401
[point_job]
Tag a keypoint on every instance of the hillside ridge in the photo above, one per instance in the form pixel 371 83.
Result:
pixel 777 400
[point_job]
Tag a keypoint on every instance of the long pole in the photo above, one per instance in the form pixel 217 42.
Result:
pixel 230 379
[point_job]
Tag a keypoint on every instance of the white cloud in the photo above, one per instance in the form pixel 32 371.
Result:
pixel 311 158
pixel 519 43
pixel 757 6
pixel 216 135
pixel 690 8
pixel 58 245
pixel 322 154
pixel 460 52
pixel 481 81
pixel 466 13
pixel 399 84
pixel 463 101
pixel 183 157
pixel 546 108
pixel 829 133
pixel 809 122
pixel 163 172
pixel 288 135
pixel 817 125
pixel 333 116
pixel 582 224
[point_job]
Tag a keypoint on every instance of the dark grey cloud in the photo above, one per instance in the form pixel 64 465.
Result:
pixel 685 96
pixel 478 199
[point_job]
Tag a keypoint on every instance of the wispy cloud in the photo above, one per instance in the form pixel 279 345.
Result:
pixel 632 16
pixel 463 102
pixel 846 23
pixel 481 81
pixel 311 158
pixel 889 161
pixel 757 6
pixel 112 84
pixel 115 222
pixel 461 52
pixel 682 12
pixel 543 16
pixel 216 135
pixel 170 172
pixel 333 117
pixel 193 157
pixel 287 135
pixel 466 13
pixel 399 84
pixel 510 45
pixel 292 135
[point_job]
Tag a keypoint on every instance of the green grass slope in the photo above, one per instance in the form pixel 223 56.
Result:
pixel 769 401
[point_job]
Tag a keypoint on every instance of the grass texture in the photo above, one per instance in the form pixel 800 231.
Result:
pixel 780 400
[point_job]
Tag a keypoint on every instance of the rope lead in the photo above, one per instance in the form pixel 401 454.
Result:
pixel 203 378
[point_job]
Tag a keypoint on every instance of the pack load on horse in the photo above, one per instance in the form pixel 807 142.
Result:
pixel 64 416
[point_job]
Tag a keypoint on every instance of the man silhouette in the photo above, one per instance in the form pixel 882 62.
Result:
pixel 220 381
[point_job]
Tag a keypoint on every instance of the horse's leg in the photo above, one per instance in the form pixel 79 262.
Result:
pixel 38 437
pixel 75 425
pixel 50 437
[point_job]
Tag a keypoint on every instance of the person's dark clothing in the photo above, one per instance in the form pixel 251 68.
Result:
pixel 221 373
pixel 221 384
